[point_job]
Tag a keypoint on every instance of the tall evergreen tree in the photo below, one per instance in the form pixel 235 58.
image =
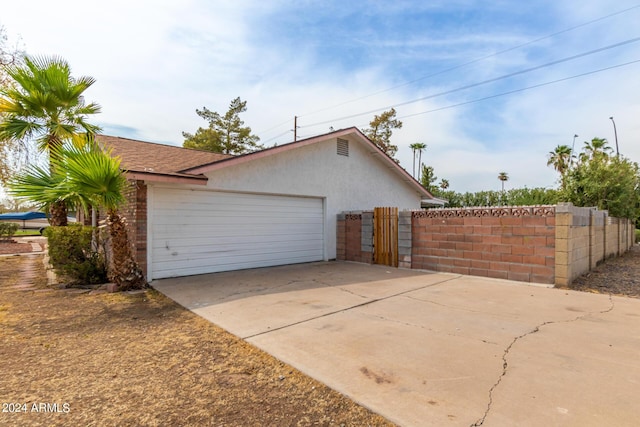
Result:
pixel 380 130
pixel 225 134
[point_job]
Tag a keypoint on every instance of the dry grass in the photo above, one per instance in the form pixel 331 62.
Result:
pixel 140 359
pixel 617 276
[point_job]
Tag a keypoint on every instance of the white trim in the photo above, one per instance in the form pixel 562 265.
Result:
pixel 325 227
pixel 150 217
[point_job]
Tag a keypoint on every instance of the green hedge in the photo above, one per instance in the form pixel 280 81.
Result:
pixel 7 230
pixel 72 256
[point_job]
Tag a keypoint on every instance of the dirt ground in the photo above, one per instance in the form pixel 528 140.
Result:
pixel 80 357
pixel 86 357
pixel 14 247
pixel 617 276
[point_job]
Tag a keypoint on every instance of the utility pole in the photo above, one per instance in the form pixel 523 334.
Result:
pixel 295 128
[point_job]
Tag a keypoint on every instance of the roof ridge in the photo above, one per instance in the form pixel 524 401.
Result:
pixel 166 145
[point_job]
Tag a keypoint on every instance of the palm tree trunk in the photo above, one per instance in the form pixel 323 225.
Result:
pixel 58 213
pixel 419 164
pixel 414 163
pixel 125 272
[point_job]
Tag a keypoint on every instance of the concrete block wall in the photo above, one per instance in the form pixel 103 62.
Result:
pixel 574 243
pixel 366 237
pixel 597 236
pixel 516 243
pixel 541 244
pixel 404 239
pixel 611 247
pixel 352 241
pixel 585 237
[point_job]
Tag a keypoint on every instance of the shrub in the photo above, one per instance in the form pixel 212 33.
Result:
pixel 72 256
pixel 637 236
pixel 7 230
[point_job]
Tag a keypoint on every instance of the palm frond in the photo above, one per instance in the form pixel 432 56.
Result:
pixel 37 185
pixel 96 173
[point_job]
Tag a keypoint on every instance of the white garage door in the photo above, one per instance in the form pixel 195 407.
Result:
pixel 196 232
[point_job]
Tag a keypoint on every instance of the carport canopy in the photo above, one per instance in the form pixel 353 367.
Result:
pixel 22 216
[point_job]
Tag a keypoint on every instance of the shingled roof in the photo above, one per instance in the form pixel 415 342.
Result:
pixel 148 159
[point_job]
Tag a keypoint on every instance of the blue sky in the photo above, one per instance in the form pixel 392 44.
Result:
pixel 157 61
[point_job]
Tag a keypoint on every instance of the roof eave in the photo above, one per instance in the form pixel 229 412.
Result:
pixel 156 177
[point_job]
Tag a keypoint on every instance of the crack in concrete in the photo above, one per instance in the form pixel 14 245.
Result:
pixel 253 291
pixel 505 363
pixel 342 310
pixel 339 288
pixel 427 328
pixel 453 307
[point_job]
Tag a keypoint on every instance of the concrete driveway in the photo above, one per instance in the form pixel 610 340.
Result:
pixel 433 348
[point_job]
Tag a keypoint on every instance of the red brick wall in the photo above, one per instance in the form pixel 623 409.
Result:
pixel 353 239
pixel 506 243
pixel 349 239
pixel 135 212
pixel 341 253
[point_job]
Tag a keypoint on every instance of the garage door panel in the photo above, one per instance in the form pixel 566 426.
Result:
pixel 214 233
pixel 196 232
pixel 198 244
pixel 185 222
pixel 238 212
pixel 244 247
pixel 195 266
pixel 231 257
pixel 231 230
pixel 201 198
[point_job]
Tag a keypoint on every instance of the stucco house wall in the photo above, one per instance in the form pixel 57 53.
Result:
pixel 336 172
pixel 358 181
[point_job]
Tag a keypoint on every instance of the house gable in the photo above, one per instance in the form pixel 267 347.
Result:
pixel 282 156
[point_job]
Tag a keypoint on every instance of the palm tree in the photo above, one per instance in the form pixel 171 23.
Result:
pixel 44 104
pixel 444 183
pixel 419 147
pixel 597 147
pixel 414 148
pixel 86 177
pixel 503 177
pixel 560 159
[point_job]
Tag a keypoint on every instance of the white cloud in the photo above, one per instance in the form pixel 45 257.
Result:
pixel 156 62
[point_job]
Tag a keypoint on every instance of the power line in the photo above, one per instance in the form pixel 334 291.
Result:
pixel 277 136
pixel 472 85
pixel 520 89
pixel 485 98
pixel 476 60
pixel 274 127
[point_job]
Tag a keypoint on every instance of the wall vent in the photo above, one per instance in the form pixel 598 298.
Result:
pixel 343 147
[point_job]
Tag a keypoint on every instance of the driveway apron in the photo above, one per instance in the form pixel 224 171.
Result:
pixel 426 348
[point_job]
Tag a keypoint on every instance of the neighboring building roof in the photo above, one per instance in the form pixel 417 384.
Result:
pixel 147 160
pixel 429 203
pixel 22 216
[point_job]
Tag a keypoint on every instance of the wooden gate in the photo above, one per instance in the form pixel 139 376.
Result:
pixel 385 236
